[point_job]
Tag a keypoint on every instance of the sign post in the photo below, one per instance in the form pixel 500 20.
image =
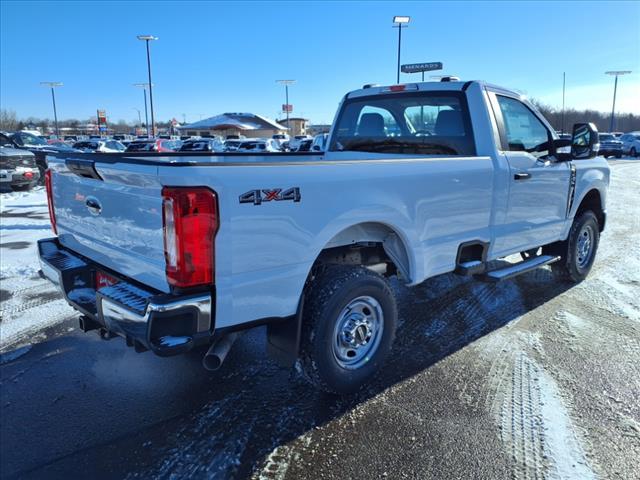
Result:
pixel 102 121
pixel 421 68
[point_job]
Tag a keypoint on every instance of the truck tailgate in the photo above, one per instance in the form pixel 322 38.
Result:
pixel 115 219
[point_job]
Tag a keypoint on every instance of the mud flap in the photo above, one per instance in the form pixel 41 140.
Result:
pixel 283 338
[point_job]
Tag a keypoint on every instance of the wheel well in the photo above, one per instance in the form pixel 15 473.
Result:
pixel 592 201
pixel 373 245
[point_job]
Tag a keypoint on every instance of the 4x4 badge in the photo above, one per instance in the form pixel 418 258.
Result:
pixel 267 195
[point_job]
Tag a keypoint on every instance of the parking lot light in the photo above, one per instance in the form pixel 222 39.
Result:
pixel 53 85
pixel 146 115
pixel 615 73
pixel 400 22
pixel 147 39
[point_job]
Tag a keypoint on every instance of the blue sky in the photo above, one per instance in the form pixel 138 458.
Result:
pixel 219 57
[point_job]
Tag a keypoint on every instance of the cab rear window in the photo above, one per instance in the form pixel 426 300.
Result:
pixel 425 123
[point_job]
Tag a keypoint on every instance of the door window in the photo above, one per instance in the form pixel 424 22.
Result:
pixel 524 131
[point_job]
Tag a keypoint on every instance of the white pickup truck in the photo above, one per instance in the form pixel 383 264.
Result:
pixel 177 250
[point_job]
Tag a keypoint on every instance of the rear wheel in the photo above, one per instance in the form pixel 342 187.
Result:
pixel 578 252
pixel 349 323
pixel 633 152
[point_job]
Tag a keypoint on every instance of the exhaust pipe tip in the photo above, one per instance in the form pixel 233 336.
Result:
pixel 215 356
pixel 212 362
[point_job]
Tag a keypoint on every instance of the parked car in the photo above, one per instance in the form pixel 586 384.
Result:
pixel 99 146
pixel 320 142
pixel 37 145
pixel 154 145
pixel 307 247
pixel 294 143
pixel 305 145
pixel 281 138
pixel 123 137
pixel 610 146
pixel 631 144
pixel 18 169
pixel 203 145
pixel 232 145
pixel 71 138
pixel 261 145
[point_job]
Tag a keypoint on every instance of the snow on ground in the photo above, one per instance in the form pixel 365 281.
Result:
pixel 27 302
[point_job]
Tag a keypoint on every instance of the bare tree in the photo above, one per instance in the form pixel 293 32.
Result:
pixel 8 120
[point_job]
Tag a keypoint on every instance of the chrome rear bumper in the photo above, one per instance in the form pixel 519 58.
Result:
pixel 166 324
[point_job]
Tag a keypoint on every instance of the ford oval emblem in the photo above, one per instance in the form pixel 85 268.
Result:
pixel 94 206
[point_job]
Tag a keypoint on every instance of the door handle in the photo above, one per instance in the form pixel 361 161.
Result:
pixel 521 176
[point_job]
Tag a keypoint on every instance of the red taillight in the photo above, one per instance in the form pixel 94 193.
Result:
pixel 49 187
pixel 190 218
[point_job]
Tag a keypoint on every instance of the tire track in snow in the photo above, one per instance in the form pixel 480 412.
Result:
pixel 535 427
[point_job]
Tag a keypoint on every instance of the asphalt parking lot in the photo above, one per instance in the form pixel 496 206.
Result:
pixel 530 378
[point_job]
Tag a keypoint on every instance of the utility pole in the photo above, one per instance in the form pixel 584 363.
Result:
pixel 286 84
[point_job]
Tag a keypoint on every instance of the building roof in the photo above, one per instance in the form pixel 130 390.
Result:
pixel 241 121
pixel 291 119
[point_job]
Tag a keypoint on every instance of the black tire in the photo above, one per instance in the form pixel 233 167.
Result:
pixel 618 155
pixel 573 264
pixel 333 289
pixel 632 152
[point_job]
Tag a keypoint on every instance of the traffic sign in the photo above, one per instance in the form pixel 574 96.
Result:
pixel 421 67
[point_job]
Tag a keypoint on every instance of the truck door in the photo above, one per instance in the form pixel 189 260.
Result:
pixel 538 185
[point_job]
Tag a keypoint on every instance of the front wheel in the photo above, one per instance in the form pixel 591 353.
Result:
pixel 349 323
pixel 578 252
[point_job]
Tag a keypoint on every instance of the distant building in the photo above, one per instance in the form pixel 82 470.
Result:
pixel 297 125
pixel 248 125
pixel 318 129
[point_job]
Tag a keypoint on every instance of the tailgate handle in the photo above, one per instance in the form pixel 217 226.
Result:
pixel 83 168
pixel 93 204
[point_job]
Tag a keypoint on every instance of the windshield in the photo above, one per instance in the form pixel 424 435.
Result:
pixel 428 123
pixel 30 139
pixel 140 146
pixel 86 145
pixel 605 137
pixel 196 146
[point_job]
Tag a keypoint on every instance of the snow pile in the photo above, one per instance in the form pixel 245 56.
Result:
pixel 27 302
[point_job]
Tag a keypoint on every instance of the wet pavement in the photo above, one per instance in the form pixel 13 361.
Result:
pixel 530 378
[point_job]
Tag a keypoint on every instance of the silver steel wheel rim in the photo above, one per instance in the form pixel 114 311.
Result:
pixel 584 247
pixel 358 332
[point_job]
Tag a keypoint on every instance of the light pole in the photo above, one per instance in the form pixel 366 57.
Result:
pixel 147 39
pixel 400 23
pixel 146 115
pixel 286 84
pixel 139 118
pixel 615 73
pixel 53 85
pixel 564 78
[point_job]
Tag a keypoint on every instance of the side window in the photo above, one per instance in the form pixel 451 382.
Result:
pixel 524 131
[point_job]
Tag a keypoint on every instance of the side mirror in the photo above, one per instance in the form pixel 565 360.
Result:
pixel 585 141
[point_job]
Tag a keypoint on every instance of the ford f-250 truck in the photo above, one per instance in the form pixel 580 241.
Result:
pixel 174 251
